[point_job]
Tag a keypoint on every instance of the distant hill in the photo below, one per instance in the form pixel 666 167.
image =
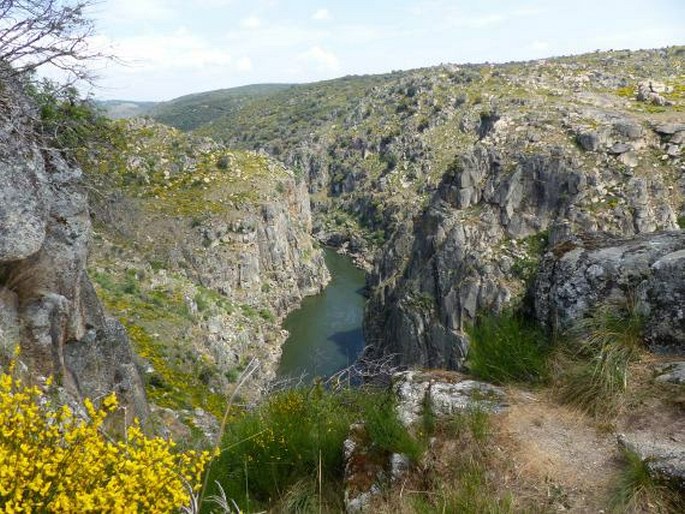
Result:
pixel 192 111
pixel 118 109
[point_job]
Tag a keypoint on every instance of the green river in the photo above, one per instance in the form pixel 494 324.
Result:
pixel 326 331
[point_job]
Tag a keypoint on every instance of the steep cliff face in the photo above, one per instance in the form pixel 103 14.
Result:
pixel 462 175
pixel 477 244
pixel 47 303
pixel 200 251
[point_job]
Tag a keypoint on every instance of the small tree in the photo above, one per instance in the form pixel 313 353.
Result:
pixel 34 33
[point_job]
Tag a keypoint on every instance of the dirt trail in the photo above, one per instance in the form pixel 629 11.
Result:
pixel 558 454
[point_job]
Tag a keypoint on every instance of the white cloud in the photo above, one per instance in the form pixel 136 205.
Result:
pixel 478 22
pixel 273 36
pixel 539 46
pixel 321 59
pixel 527 11
pixel 212 3
pixel 136 10
pixel 176 50
pixel 322 15
pixel 251 22
pixel 244 64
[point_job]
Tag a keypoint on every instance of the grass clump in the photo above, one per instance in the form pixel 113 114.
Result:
pixel 289 438
pixel 384 428
pixel 287 454
pixel 593 373
pixel 637 490
pixel 462 479
pixel 507 348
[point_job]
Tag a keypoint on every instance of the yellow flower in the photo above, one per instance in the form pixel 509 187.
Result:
pixel 51 460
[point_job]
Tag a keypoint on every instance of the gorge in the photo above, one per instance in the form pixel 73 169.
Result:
pixel 553 191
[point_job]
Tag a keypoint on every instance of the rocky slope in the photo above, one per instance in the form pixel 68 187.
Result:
pixel 200 251
pixel 47 302
pixel 464 175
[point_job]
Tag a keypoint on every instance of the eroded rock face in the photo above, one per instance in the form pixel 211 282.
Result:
pixel 46 301
pixel 586 271
pixel 221 236
pixel 479 239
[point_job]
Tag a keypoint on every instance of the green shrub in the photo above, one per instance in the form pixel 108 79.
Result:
pixel 507 348
pixel 273 455
pixel 636 490
pixel 285 440
pixel 69 123
pixel 593 373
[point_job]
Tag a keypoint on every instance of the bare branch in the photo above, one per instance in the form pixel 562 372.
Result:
pixel 34 33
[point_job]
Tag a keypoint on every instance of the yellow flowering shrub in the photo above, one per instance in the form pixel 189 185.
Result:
pixel 52 460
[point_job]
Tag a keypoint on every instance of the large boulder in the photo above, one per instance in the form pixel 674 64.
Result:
pixel 647 271
pixel 665 459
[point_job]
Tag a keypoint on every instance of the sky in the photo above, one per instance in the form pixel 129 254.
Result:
pixel 169 48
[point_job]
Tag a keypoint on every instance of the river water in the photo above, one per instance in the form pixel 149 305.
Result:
pixel 326 331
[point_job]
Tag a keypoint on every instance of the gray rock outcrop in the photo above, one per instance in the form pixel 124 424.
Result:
pixel 47 304
pixel 673 372
pixel 648 270
pixel 479 240
pixel 665 459
pixel 446 394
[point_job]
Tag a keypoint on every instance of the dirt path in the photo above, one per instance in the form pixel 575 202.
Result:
pixel 559 455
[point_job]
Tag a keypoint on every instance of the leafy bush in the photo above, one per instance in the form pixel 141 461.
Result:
pixel 507 348
pixel 593 374
pixel 52 460
pixel 70 123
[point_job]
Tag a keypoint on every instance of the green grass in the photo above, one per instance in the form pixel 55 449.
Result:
pixel 507 348
pixel 592 372
pixel 270 456
pixel 636 490
pixel 474 422
pixel 384 429
pixel 467 483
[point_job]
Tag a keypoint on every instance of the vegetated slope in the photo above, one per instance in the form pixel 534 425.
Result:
pixel 122 109
pixel 200 251
pixel 463 175
pixel 191 111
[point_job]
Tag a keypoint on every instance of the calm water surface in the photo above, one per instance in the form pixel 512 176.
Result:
pixel 326 331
